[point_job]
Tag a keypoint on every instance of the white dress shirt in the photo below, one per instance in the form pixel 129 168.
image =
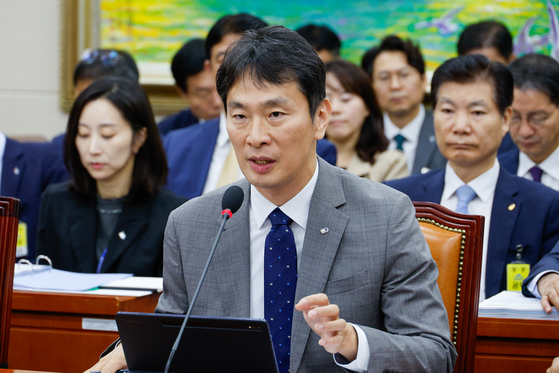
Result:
pixel 297 208
pixel 410 132
pixel 550 167
pixel 484 186
pixel 221 151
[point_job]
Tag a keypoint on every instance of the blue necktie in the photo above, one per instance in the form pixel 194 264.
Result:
pixel 280 282
pixel 465 194
pixel 399 142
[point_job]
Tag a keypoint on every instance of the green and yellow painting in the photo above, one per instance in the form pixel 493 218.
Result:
pixel 153 30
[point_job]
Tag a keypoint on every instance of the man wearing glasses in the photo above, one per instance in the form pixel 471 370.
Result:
pixel 535 120
pixel 398 76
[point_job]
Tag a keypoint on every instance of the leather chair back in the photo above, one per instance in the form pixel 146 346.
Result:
pixel 456 243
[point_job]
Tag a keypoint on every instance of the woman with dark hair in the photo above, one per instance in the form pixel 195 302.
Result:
pixel 111 217
pixel 356 126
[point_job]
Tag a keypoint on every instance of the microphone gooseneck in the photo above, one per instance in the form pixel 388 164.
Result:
pixel 230 203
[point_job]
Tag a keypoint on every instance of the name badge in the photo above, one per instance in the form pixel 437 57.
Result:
pixel 516 273
pixel 21 249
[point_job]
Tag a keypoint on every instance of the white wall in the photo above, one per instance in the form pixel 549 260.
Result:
pixel 29 68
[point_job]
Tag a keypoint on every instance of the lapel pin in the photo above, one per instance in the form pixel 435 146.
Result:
pixel 324 230
pixel 16 170
pixel 424 170
pixel 432 138
pixel 512 206
pixel 122 235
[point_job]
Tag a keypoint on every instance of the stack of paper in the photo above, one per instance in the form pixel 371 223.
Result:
pixel 47 278
pixel 513 305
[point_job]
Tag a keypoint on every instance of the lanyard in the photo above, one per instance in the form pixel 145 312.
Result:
pixel 101 260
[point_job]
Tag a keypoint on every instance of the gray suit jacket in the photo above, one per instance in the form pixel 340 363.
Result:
pixel 427 153
pixel 373 263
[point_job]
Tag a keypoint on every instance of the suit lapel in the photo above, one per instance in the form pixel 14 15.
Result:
pixel 132 221
pixel 233 251
pixel 426 144
pixel 503 218
pixel 432 186
pixel 13 168
pixel 319 250
pixel 82 237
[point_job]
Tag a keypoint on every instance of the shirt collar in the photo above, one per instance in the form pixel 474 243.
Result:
pixel 222 136
pixel 297 208
pixel 549 165
pixel 410 131
pixel 484 185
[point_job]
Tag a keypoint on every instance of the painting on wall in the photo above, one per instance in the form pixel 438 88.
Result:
pixel 153 30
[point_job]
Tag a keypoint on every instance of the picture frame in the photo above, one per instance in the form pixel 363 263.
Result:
pixel 80 30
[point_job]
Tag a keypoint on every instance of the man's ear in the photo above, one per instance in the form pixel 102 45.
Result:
pixel 424 85
pixel 207 66
pixel 507 117
pixel 181 93
pixel 321 118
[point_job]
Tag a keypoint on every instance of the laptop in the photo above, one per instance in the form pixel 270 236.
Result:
pixel 209 344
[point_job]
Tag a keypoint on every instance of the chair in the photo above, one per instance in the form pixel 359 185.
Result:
pixel 9 219
pixel 456 243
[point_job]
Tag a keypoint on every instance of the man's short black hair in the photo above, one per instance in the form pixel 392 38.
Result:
pixel 393 43
pixel 274 55
pixel 486 34
pixel 321 37
pixel 188 61
pixel 537 72
pixel 98 63
pixel 476 68
pixel 231 24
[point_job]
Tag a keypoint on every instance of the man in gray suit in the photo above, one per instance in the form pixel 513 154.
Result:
pixel 397 71
pixel 360 252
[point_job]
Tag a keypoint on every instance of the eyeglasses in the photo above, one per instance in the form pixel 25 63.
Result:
pixel 106 57
pixel 534 120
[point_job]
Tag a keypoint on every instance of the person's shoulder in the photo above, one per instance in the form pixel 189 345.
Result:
pixel 59 193
pixel 390 156
pixel 166 197
pixel 360 189
pixel 190 134
pixel 412 180
pixel 531 190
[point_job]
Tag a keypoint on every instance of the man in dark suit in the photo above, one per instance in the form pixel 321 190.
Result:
pixel 359 251
pixel 398 75
pixel 195 85
pixel 200 157
pixel 27 169
pixel 535 120
pixel 472 99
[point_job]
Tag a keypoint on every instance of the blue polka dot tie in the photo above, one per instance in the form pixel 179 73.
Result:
pixel 280 281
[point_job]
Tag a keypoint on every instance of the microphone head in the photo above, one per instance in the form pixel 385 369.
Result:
pixel 232 198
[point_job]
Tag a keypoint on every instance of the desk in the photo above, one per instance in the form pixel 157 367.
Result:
pixel 47 329
pixel 515 345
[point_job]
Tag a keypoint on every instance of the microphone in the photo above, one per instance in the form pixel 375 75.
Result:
pixel 230 203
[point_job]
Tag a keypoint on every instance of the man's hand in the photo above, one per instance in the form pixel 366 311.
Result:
pixel 554 368
pixel 336 335
pixel 548 286
pixel 111 362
